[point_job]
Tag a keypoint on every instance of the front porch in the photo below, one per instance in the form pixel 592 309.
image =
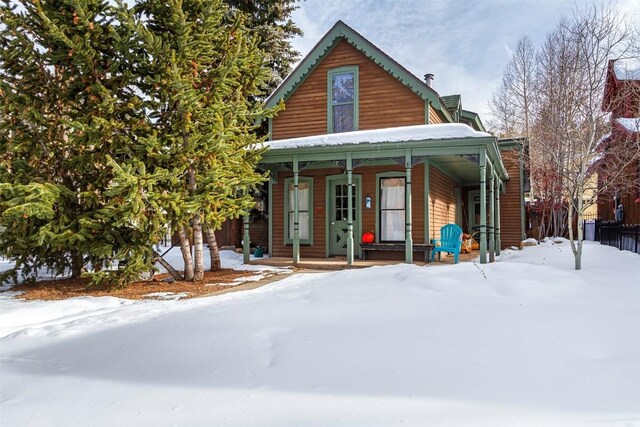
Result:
pixel 401 184
pixel 340 263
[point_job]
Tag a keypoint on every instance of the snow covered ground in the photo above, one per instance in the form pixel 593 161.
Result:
pixel 525 341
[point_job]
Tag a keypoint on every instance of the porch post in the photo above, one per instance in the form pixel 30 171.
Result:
pixel 246 240
pixel 270 213
pixel 498 242
pixel 407 210
pixel 350 218
pixel 483 207
pixel 296 213
pixel 427 203
pixel 492 236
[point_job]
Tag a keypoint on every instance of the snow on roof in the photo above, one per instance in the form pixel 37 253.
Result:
pixel 632 125
pixel 378 136
pixel 603 139
pixel 627 68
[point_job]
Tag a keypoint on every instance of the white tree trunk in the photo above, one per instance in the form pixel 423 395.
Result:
pixel 198 249
pixel 185 248
pixel 214 253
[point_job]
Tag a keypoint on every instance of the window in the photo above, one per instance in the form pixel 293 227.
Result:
pixel 305 201
pixel 343 99
pixel 392 219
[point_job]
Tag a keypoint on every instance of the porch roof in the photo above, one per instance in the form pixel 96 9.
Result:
pixel 455 147
pixel 381 136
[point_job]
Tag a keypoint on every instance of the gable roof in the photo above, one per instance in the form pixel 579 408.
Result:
pixel 620 73
pixel 473 120
pixel 341 31
pixel 627 68
pixel 452 102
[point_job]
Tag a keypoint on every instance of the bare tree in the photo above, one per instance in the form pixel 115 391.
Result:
pixel 503 122
pixel 556 101
pixel 511 104
pixel 556 86
pixel 578 65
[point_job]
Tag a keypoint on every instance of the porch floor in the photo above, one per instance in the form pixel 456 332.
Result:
pixel 340 263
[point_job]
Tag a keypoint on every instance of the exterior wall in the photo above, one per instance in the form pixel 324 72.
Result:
pixel 318 248
pixel 511 202
pixel 443 201
pixel 320 207
pixel 383 100
pixel 630 203
pixel 434 117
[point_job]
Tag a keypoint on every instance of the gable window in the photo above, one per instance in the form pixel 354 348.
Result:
pixel 392 218
pixel 342 108
pixel 305 201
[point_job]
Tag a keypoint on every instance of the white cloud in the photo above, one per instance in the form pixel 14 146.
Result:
pixel 463 43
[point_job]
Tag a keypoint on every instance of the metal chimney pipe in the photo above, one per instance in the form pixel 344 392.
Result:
pixel 428 78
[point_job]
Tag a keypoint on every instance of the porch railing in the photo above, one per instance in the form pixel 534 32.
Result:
pixel 613 233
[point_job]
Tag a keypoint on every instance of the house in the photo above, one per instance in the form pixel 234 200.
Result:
pixel 622 100
pixel 365 146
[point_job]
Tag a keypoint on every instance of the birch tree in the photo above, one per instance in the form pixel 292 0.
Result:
pixel 572 131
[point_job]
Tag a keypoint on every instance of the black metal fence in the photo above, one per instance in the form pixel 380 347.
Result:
pixel 613 233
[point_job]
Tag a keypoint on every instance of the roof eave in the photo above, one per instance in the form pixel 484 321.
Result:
pixel 340 30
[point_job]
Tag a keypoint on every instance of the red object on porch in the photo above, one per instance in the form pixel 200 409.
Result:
pixel 368 237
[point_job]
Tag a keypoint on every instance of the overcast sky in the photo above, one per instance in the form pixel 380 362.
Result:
pixel 465 43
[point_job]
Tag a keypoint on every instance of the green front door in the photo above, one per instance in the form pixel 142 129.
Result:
pixel 338 214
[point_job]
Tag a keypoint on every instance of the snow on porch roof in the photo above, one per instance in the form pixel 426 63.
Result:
pixel 380 136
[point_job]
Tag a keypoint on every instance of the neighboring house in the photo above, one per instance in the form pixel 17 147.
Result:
pixel 622 100
pixel 365 146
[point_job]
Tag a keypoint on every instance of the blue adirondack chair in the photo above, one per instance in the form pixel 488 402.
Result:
pixel 450 241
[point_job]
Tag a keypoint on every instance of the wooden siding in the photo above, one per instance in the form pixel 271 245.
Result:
pixel 443 201
pixel 434 117
pixel 511 202
pixel 383 100
pixel 417 198
pixel 630 207
pixel 320 207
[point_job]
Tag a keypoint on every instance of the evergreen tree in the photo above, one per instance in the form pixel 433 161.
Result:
pixel 199 66
pixel 66 112
pixel 270 20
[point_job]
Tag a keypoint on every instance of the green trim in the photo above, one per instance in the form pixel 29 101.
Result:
pixel 427 106
pixel 408 209
pixel 287 182
pixel 452 102
pixel 357 231
pixel 498 222
pixel 522 212
pixel 246 240
pixel 389 174
pixel 474 119
pixel 341 31
pixel 270 126
pixel 350 219
pixel 356 95
pixel 483 207
pixel 427 200
pixel 380 150
pixel 492 216
pixel 471 210
pixel 296 211
pixel 458 195
pixel 270 213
